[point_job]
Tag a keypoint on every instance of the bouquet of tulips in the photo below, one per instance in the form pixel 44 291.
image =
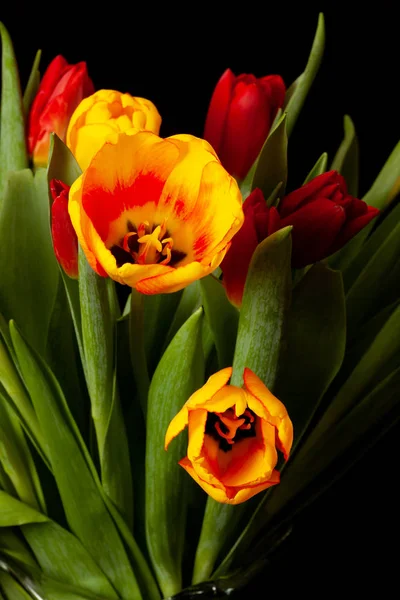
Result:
pixel 191 350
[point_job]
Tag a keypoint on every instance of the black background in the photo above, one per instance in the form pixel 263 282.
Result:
pixel 174 55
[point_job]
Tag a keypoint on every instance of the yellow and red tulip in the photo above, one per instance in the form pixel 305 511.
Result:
pixel 103 114
pixel 234 435
pixel 155 214
pixel 61 90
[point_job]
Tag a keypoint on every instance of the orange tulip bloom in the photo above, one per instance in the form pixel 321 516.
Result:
pixel 234 434
pixel 155 214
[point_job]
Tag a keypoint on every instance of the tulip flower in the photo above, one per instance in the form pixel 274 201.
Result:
pixel 324 217
pixel 239 118
pixel 103 114
pixel 155 214
pixel 260 221
pixel 234 434
pixel 65 241
pixel 61 90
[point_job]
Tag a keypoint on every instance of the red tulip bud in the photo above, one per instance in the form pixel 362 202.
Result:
pixel 239 118
pixel 65 241
pixel 324 217
pixel 62 88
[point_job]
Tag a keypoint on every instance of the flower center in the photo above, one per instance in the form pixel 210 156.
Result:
pixel 228 429
pixel 145 245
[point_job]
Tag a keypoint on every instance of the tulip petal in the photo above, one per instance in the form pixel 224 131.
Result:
pixel 171 280
pixel 351 228
pixel 315 227
pixel 275 411
pixel 213 384
pixel 247 121
pixel 218 110
pixel 293 201
pixel 178 424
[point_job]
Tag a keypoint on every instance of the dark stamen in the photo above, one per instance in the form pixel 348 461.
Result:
pixel 121 256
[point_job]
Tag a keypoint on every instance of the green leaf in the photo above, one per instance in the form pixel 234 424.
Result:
pixel 179 373
pixel 388 221
pixel 13 154
pixel 98 336
pixel 368 372
pixel 265 303
pixel 84 506
pixel 304 82
pixel 223 318
pixel 14 512
pixel 377 284
pixel 61 164
pixel 137 348
pixel 17 460
pixel 62 557
pixel 158 314
pixel 15 393
pixel 189 302
pixel 318 168
pixel 12 589
pixel 271 168
pixel 32 85
pixel 315 344
pixel 28 267
pixel 346 159
pixel 14 547
pixel 382 190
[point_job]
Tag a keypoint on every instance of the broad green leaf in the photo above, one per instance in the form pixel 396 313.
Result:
pixel 62 356
pixel 388 221
pixel 265 303
pixel 189 302
pixel 17 460
pixel 318 168
pixel 84 506
pixel 61 164
pixel 261 326
pixel 28 269
pixel 62 557
pixel 223 319
pixel 16 393
pixel 11 589
pixel 271 168
pixel 14 547
pixel 377 284
pixel 346 159
pixel 159 310
pixel 381 191
pixel 14 512
pixel 32 85
pixel 315 344
pixel 13 154
pixel 365 376
pixel 98 336
pixel 179 373
pixel 304 82
pixel 246 184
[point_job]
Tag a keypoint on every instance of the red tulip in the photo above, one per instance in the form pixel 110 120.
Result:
pixel 324 217
pixel 239 118
pixel 65 241
pixel 62 88
pixel 260 221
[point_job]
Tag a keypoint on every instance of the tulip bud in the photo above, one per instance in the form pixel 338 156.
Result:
pixel 62 88
pixel 240 116
pixel 260 221
pixel 65 241
pixel 324 218
pixel 106 113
